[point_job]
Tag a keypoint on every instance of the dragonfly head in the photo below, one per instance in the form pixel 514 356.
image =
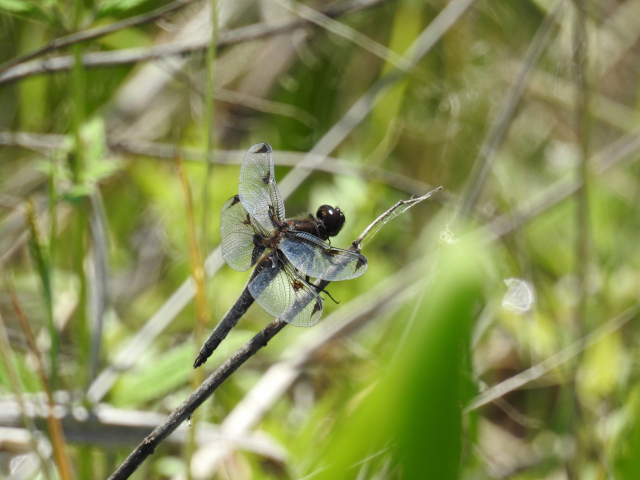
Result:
pixel 330 222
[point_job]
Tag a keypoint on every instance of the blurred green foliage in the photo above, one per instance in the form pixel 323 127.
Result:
pixel 102 272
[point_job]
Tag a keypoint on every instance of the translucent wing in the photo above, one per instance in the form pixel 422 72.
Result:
pixel 238 230
pixel 258 190
pixel 318 259
pixel 282 293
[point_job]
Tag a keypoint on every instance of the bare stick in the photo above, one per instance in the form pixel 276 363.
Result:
pixel 382 301
pixel 334 165
pixel 400 207
pixel 96 33
pixel 133 55
pixel 544 367
pixel 197 398
pixel 226 324
pixel 6 353
pixel 56 432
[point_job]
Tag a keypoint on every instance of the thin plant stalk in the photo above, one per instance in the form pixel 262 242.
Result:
pixel 41 257
pixel 195 256
pixel 52 200
pixel 202 319
pixel 81 333
pixel 209 121
pixel 565 355
pixel 6 352
pixel 77 160
pixel 202 308
pixel 97 32
pixel 77 99
pixel 506 115
pixel 134 55
pixel 56 433
pixel 582 256
pixel 583 130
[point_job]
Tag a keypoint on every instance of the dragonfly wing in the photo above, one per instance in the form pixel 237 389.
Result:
pixel 258 190
pixel 318 259
pixel 238 231
pixel 282 293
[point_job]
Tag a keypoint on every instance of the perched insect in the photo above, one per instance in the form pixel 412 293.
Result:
pixel 285 253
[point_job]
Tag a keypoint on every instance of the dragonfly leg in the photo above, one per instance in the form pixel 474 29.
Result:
pixel 318 289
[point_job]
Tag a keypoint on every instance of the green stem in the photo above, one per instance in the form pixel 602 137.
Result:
pixel 583 234
pixel 82 332
pixel 209 146
pixel 583 130
pixel 7 355
pixel 76 158
pixel 209 121
pixel 52 199
pixel 41 256
pixel 77 165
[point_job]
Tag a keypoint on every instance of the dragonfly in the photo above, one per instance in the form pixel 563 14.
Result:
pixel 284 253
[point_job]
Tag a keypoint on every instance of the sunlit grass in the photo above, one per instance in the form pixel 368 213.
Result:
pixel 389 396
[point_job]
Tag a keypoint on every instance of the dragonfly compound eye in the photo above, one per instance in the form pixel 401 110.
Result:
pixel 332 219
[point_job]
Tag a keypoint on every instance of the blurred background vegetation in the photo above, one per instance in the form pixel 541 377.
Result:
pixel 495 334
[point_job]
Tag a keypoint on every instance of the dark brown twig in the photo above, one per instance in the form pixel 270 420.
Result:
pixel 197 398
pixel 226 324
